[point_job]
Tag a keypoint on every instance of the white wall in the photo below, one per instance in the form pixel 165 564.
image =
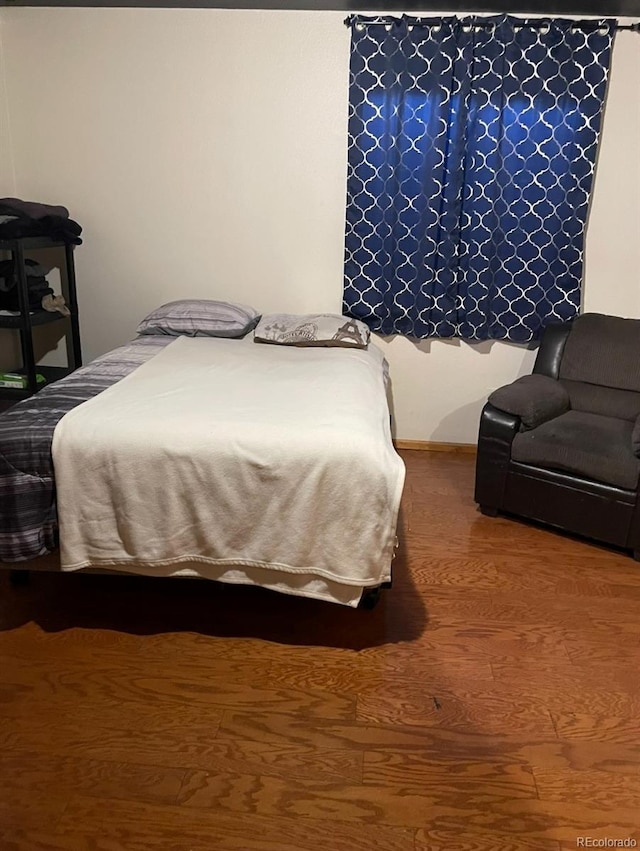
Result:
pixel 9 343
pixel 204 153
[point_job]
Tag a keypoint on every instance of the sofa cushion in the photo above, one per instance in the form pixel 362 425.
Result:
pixel 588 445
pixel 608 401
pixel 603 350
pixel 533 398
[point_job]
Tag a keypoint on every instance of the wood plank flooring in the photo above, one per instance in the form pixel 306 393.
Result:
pixel 491 702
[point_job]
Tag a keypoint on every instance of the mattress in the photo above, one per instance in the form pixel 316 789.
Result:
pixel 236 455
pixel 29 522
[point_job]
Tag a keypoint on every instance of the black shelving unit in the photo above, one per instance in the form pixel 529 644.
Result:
pixel 26 321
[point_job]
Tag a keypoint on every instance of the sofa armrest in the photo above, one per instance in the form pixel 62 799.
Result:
pixel 495 436
pixel 533 398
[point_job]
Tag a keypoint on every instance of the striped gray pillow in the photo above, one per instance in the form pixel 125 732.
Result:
pixel 200 318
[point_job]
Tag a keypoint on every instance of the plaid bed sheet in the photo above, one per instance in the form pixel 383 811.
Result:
pixel 28 517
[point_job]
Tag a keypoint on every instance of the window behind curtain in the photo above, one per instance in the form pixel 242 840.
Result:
pixel 472 146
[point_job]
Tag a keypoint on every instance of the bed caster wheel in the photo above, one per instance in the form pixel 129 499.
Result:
pixel 369 599
pixel 488 511
pixel 18 578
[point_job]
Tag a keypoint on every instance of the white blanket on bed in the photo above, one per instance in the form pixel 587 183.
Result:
pixel 229 452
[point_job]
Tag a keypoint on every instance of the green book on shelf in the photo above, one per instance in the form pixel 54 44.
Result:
pixel 14 379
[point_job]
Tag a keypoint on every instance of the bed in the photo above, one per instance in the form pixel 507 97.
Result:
pixel 261 457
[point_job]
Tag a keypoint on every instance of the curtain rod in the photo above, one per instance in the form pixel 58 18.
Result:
pixel 479 22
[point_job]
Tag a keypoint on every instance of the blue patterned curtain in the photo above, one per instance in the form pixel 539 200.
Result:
pixel 472 145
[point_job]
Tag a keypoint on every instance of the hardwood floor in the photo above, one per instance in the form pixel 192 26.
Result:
pixel 491 701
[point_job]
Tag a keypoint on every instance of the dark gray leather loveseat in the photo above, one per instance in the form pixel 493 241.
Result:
pixel 561 446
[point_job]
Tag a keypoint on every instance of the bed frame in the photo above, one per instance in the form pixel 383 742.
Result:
pixel 20 577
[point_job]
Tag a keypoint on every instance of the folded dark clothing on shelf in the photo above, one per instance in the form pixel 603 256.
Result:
pixel 55 227
pixel 34 269
pixel 32 209
pixel 8 285
pixel 37 284
pixel 38 289
pixel 8 276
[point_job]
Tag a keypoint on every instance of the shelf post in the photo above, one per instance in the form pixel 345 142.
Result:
pixel 26 336
pixel 73 305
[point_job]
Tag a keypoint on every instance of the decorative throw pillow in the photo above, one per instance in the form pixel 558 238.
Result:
pixel 200 318
pixel 312 329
